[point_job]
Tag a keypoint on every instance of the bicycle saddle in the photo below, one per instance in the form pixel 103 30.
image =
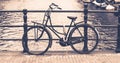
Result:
pixel 72 17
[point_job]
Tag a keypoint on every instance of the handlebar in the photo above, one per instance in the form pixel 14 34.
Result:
pixel 53 6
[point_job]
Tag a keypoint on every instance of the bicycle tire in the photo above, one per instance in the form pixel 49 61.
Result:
pixel 92 35
pixel 37 46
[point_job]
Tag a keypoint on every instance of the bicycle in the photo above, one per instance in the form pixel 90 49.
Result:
pixel 41 40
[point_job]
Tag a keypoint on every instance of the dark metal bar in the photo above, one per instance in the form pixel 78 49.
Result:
pixel 63 11
pixel 75 11
pixel 85 48
pixel 11 25
pixel 9 39
pixel 19 39
pixel 114 26
pixel 25 38
pixel 107 39
pixel 11 11
pixel 42 11
pixel 118 35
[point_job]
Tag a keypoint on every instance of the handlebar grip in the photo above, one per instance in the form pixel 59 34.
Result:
pixel 54 4
pixel 59 8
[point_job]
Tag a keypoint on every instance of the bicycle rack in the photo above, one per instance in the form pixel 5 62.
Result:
pixel 85 11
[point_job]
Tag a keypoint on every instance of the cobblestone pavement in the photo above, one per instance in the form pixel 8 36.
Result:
pixel 59 57
pixel 56 54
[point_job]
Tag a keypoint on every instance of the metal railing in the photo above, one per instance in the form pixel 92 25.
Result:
pixel 85 11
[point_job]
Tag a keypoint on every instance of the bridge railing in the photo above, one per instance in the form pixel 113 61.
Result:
pixel 85 10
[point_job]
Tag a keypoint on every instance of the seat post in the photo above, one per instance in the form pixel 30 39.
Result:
pixel 73 20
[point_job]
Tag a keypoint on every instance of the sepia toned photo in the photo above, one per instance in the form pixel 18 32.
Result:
pixel 65 31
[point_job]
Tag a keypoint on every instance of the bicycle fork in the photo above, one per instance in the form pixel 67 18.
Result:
pixel 38 35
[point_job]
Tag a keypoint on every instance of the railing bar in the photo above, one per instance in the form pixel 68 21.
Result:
pixel 67 11
pixel 6 39
pixel 33 26
pixel 108 39
pixel 104 39
pixel 21 39
pixel 106 26
pixel 11 25
pixel 55 26
pixel 11 11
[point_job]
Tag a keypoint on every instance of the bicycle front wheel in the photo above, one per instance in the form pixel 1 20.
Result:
pixel 78 41
pixel 38 40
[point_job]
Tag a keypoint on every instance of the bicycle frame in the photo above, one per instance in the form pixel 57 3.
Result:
pixel 57 33
pixel 47 18
pixel 51 27
pixel 69 39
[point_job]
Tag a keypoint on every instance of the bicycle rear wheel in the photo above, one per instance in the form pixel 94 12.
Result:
pixel 38 42
pixel 77 41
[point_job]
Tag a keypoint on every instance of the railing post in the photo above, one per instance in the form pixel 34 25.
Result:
pixel 25 38
pixel 118 35
pixel 85 48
